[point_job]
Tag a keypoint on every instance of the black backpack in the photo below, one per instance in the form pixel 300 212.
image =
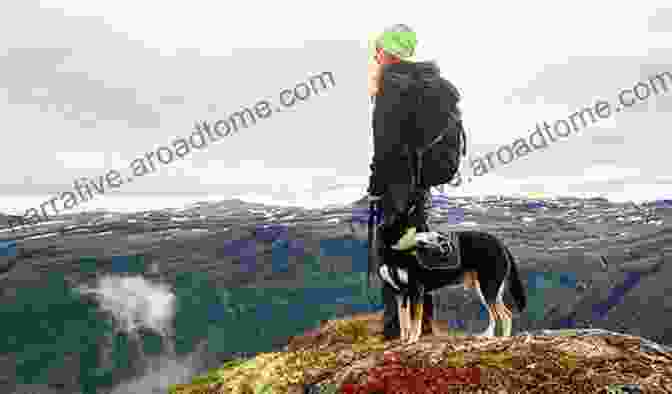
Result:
pixel 439 151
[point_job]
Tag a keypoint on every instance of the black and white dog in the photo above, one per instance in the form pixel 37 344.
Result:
pixel 486 265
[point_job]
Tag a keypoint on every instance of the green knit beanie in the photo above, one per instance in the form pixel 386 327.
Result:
pixel 398 40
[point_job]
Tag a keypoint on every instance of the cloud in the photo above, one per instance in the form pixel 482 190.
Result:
pixel 608 139
pixel 32 76
pixel 81 160
pixel 661 22
pixel 254 172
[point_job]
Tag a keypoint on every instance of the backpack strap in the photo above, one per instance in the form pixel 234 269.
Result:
pixel 420 151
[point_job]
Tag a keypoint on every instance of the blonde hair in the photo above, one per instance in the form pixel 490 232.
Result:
pixel 375 75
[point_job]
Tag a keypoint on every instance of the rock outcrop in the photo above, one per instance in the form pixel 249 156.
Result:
pixel 350 356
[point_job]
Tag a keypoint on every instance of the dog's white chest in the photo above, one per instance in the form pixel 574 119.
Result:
pixel 386 275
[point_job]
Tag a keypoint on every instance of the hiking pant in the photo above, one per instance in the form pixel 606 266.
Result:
pixel 391 223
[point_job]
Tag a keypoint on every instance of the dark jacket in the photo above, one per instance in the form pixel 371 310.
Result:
pixel 411 102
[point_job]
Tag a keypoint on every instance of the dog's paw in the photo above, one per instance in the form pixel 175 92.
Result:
pixel 405 337
pixel 414 333
pixel 413 339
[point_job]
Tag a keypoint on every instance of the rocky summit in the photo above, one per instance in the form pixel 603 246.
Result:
pixel 350 356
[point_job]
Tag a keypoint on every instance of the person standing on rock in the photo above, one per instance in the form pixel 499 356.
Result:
pixel 413 108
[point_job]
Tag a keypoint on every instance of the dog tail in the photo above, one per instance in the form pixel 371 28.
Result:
pixel 515 285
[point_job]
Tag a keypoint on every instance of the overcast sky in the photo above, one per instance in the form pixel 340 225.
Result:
pixel 87 86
